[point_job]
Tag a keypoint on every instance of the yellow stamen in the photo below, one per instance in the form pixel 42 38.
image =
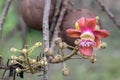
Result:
pixel 77 26
pixel 87 36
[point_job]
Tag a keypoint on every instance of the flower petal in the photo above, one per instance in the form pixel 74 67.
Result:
pixel 101 33
pixel 86 51
pixel 73 33
pixel 81 23
pixel 90 23
pixel 97 42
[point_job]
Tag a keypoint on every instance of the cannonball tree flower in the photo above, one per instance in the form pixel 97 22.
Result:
pixel 89 36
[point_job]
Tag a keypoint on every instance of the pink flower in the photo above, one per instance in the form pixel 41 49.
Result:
pixel 90 37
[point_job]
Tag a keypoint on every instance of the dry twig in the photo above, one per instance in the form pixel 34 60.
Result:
pixel 55 17
pixel 59 22
pixel 23 32
pixel 2 64
pixel 4 14
pixel 109 13
pixel 65 57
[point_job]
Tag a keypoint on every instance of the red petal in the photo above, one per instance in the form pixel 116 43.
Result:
pixel 81 23
pixel 101 33
pixel 97 42
pixel 73 33
pixel 86 51
pixel 90 23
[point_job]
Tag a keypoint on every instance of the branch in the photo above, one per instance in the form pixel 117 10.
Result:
pixel 4 14
pixel 45 23
pixel 65 57
pixel 2 65
pixel 55 17
pixel 23 32
pixel 59 22
pixel 46 31
pixel 5 67
pixel 110 15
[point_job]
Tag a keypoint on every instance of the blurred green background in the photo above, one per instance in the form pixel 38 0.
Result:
pixel 107 65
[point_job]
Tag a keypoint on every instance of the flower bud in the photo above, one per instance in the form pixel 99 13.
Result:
pixel 48 51
pixel 65 71
pixel 13 57
pixel 58 58
pixel 44 58
pixel 76 42
pixel 103 45
pixel 38 44
pixel 13 61
pixel 13 50
pixel 46 63
pixel 62 45
pixel 57 40
pixel 21 58
pixel 93 59
pixel 18 70
pixel 65 45
pixel 33 61
pixel 24 51
pixel 42 62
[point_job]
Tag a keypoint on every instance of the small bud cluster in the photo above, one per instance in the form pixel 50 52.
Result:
pixel 26 62
pixel 62 45
pixel 31 64
pixel 43 61
pixel 32 61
